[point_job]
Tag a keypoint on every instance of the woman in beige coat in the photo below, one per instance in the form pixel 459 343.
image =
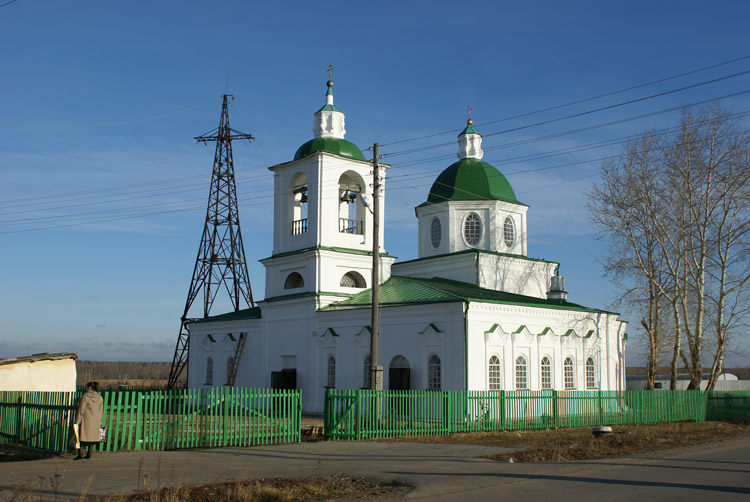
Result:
pixel 89 419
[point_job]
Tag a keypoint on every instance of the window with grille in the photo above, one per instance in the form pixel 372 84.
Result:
pixel 590 374
pixel 435 232
pixel 353 280
pixel 496 379
pixel 366 375
pixel 472 229
pixel 433 373
pixel 568 373
pixel 521 380
pixel 509 232
pixel 294 281
pixel 546 373
pixel 331 371
pixel 209 371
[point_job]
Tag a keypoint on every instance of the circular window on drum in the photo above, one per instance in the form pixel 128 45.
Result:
pixel 435 232
pixel 472 229
pixel 509 232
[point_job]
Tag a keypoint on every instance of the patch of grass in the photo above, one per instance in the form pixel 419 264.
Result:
pixel 266 489
pixel 556 445
pixel 17 453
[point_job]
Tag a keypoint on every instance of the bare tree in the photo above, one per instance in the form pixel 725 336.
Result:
pixel 677 214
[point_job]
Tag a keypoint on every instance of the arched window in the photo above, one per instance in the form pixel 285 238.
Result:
pixel 521 380
pixel 568 374
pixel 509 232
pixel 331 372
pixel 495 375
pixel 590 374
pixel 366 376
pixel 294 281
pixel 209 371
pixel 353 280
pixel 472 229
pixel 435 232
pixel 433 373
pixel 546 373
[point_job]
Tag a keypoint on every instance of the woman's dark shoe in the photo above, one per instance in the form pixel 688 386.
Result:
pixel 88 456
pixel 77 458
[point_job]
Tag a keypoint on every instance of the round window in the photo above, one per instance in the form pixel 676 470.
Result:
pixel 509 232
pixel 435 232
pixel 472 229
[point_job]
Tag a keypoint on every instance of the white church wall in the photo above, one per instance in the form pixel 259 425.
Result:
pixel 515 275
pixel 513 331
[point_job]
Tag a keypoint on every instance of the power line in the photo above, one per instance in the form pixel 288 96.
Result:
pixel 556 107
pixel 581 114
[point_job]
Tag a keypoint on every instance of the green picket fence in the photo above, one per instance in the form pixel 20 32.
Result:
pixel 360 414
pixel 157 419
pixel 728 406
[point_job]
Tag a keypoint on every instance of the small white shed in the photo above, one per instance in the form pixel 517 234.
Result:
pixel 39 372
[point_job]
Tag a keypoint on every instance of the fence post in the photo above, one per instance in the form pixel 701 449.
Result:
pixel 601 410
pixel 225 418
pixel 447 411
pixel 327 422
pixel 554 410
pixel 357 414
pixel 502 410
pixel 138 419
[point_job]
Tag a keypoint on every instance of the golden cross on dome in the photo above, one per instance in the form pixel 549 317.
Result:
pixel 469 122
pixel 330 69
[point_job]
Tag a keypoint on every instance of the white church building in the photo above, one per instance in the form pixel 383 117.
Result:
pixel 473 312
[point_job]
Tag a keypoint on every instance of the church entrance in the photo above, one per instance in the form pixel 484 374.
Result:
pixel 399 374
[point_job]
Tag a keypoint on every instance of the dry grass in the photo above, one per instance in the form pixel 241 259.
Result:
pixel 555 445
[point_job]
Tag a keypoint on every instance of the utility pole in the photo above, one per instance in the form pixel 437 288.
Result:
pixel 376 371
pixel 221 254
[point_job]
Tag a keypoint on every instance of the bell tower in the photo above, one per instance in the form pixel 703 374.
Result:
pixel 323 224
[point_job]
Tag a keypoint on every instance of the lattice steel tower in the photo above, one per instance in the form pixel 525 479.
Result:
pixel 221 255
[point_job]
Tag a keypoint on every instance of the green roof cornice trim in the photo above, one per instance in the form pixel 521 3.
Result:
pixel 251 313
pixel 625 336
pixel 588 334
pixel 335 146
pixel 231 337
pixel 471 179
pixel 326 248
pixel 493 328
pixel 330 330
pixel 211 338
pixel 302 295
pixel 569 332
pixel 545 331
pixel 434 328
pixel 520 328
pixel 400 291
pixel 478 252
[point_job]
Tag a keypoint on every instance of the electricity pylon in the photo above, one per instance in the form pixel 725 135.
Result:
pixel 221 255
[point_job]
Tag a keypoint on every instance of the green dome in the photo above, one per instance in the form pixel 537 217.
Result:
pixel 336 146
pixel 471 179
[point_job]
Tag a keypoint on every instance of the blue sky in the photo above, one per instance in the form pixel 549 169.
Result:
pixel 100 101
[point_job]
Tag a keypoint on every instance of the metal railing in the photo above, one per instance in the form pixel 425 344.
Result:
pixel 157 420
pixel 299 226
pixel 351 226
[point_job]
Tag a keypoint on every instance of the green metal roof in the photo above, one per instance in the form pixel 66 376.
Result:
pixel 336 146
pixel 328 108
pixel 471 179
pixel 398 291
pixel 469 130
pixel 251 313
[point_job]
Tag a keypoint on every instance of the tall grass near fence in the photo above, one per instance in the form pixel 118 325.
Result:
pixel 359 414
pixel 157 420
